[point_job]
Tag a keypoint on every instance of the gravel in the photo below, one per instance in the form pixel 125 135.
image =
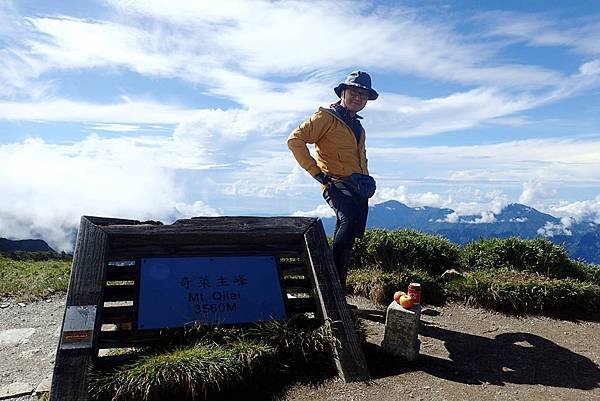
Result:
pixel 29 360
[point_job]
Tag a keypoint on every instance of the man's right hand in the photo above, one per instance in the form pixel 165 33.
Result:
pixel 323 178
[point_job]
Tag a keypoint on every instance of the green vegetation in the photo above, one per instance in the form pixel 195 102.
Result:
pixel 531 293
pixel 25 255
pixel 28 279
pixel 217 359
pixel 535 256
pixel 405 249
pixel 511 274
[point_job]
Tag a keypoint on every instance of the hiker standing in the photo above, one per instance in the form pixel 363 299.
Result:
pixel 341 162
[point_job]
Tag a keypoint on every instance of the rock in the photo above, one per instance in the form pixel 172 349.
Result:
pixel 451 274
pixel 15 389
pixel 44 386
pixel 29 353
pixel 2 306
pixel 401 331
pixel 15 336
pixel 22 305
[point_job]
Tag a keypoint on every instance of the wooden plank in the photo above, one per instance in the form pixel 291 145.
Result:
pixel 297 285
pixel 208 226
pixel 128 338
pixel 210 236
pixel 118 314
pixel 123 292
pixel 350 360
pixel 293 268
pixel 69 381
pixel 122 273
pixel 112 221
pixel 250 224
pixel 301 305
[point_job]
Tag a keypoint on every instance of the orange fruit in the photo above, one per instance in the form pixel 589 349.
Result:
pixel 397 295
pixel 406 301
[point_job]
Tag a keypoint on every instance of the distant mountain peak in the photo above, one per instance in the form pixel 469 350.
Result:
pixel 393 205
pixel 518 212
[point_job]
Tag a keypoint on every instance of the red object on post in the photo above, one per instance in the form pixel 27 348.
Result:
pixel 414 290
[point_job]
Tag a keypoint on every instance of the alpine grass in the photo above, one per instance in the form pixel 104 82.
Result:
pixel 206 361
pixel 29 279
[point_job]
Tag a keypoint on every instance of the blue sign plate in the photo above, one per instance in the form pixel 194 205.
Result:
pixel 177 292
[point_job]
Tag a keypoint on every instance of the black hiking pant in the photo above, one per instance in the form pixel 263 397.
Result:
pixel 351 219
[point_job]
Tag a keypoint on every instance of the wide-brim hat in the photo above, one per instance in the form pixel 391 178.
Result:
pixel 357 79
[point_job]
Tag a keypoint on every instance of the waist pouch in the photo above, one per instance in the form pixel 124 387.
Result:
pixel 360 184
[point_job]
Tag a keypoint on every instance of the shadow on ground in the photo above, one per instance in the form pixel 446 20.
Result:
pixel 521 358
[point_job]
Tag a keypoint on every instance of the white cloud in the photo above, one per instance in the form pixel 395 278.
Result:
pixel 580 34
pixel 401 194
pixel 463 201
pixel 486 217
pixel 578 210
pixel 127 111
pixel 535 191
pixel 552 229
pixel 553 161
pixel 51 186
pixel 321 211
pixel 198 208
pixel 115 127
pixel 223 52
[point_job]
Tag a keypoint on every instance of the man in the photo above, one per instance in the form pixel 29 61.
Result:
pixel 341 162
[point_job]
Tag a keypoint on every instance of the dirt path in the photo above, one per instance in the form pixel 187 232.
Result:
pixel 466 354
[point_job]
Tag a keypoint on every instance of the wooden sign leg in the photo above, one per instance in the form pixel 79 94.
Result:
pixel 350 360
pixel 82 315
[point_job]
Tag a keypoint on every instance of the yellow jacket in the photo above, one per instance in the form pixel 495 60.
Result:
pixel 338 154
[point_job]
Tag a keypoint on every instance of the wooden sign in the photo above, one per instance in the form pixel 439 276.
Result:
pixel 115 274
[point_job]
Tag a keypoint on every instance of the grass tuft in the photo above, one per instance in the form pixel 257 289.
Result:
pixel 218 359
pixel 527 293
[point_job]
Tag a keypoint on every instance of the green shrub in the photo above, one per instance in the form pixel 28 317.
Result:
pixel 536 256
pixel 527 293
pixel 405 249
pixel 379 286
pixel 591 272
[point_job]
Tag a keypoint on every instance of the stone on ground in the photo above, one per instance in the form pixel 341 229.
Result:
pixel 15 389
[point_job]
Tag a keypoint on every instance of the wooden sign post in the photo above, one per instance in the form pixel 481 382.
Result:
pixel 106 306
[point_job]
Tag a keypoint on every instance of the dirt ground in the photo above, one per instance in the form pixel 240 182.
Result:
pixel 474 354
pixel 466 354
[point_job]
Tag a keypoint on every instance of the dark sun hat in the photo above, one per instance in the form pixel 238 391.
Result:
pixel 357 79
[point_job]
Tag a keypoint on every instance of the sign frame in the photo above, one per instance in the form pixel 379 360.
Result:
pixel 105 271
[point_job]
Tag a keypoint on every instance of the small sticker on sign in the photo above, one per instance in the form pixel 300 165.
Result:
pixel 78 327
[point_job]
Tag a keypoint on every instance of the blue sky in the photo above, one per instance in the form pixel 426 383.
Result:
pixel 137 110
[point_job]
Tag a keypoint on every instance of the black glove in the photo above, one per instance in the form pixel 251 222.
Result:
pixel 323 178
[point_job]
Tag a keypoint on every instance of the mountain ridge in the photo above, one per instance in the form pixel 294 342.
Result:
pixel 24 245
pixel 581 239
